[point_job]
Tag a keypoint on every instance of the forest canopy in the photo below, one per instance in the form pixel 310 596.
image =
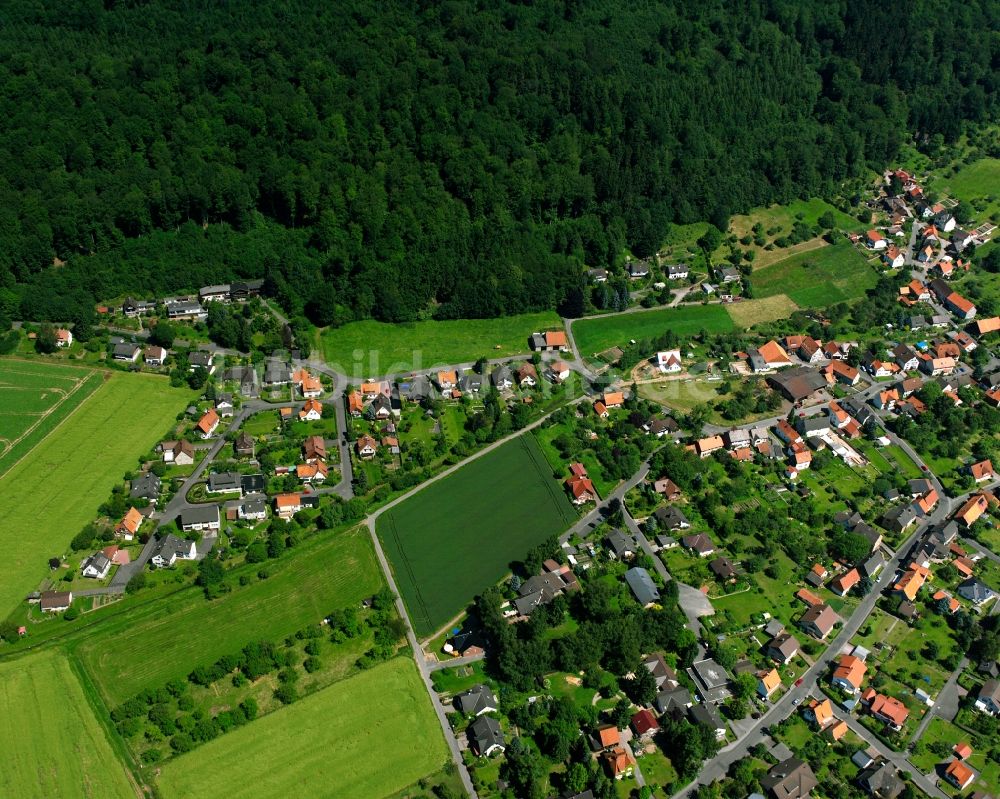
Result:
pixel 452 159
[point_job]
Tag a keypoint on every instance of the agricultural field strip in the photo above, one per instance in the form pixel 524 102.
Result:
pixel 52 743
pixel 83 458
pixel 170 642
pixel 339 737
pixel 525 507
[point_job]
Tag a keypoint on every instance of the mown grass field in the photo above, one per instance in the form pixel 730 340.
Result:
pixel 52 744
pixel 818 278
pixel 977 181
pixel 34 397
pixel 767 309
pixel 369 736
pixel 593 336
pixel 457 537
pixel 369 348
pixel 147 647
pixel 52 493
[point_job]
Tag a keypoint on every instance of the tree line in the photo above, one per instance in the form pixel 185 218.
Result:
pixel 450 160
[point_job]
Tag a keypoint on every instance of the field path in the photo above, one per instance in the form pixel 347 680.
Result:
pixel 418 653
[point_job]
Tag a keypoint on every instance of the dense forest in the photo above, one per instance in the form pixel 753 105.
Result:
pixel 451 159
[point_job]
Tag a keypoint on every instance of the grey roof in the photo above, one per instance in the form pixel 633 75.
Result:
pixel 710 673
pixel 184 308
pixel 673 270
pixel 785 644
pixel 774 627
pixel 254 506
pixel 872 565
pixel 124 350
pixel 621 543
pixel 417 389
pixel 813 425
pixel 485 732
pixel 476 700
pixel 707 716
pixel 380 403
pixel 206 291
pixel 976 591
pixel 147 485
pixel 200 514
pixel 276 371
pixel 98 561
pixel 224 481
pixel 502 374
pixel 881 780
pixel 671 518
pixel 223 398
pixel 470 382
pixel 252 483
pixel 170 546
pixel 673 699
pixel 201 358
pixel 642 585
pixel 790 779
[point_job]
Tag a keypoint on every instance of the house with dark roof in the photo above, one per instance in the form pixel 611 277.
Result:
pixel 170 549
pixel 671 518
pixel 707 716
pixel 224 483
pixel 977 592
pixel 96 566
pixel 145 486
pixel 642 585
pixel 782 648
pixel 790 779
pixel 819 620
pixel 673 701
pixel 881 780
pixel 622 546
pixel 477 700
pixel 485 736
pixel 988 698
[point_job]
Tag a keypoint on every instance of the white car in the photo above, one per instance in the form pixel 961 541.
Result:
pixel 796 701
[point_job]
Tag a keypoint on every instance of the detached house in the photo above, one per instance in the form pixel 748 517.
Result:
pixel 128 527
pixel 782 648
pixel 154 356
pixel 790 779
pixel 366 447
pixel 960 306
pixel 849 673
pixel 819 621
pixel 200 518
pixel 170 549
pixel 875 240
pixel 208 423
pixel 549 341
pixel 527 375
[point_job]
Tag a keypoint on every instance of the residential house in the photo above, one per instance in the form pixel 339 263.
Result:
pixel 527 375
pixel 124 351
pixel 782 648
pixel 55 601
pixel 724 569
pixel 277 373
pixel 208 423
pixel 973 508
pixel 642 585
pixel 154 356
pixel 644 724
pixel 789 779
pixel 308 385
pixel 729 274
pixel 128 527
pixel 767 683
pixel 201 360
pixel 875 240
pixel 214 293
pixel 622 545
pixel 819 620
pixel 502 378
pixel 905 357
pixel 185 309
pixel 476 700
pixel 671 518
pixel 706 446
pixel 617 762
pixel 598 275
pixel 988 698
pixel 668 489
pixel 96 566
pixel 146 486
pixel 253 509
pixel 912 580
pixel 819 713
pixel 849 673
pixel 311 411
pixel 380 408
pixel 880 779
pixel 817 575
pixel 310 473
pixel 287 505
pixel 676 271
pixel 700 544
pixel 887 709
pixel 845 582
pixel 769 357
pixel 355 404
pixel 665 676
pixel 200 518
pixel 485 736
pixel 707 716
pixel 959 775
pixel 893 257
pixel 366 447
pixel 314 449
pixel 224 483
pixel 673 702
pixel 840 372
pixel 170 549
pixel 669 361
pixel 180 453
pixel 977 592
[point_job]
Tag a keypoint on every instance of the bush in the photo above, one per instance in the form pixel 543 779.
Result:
pixel 71 613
